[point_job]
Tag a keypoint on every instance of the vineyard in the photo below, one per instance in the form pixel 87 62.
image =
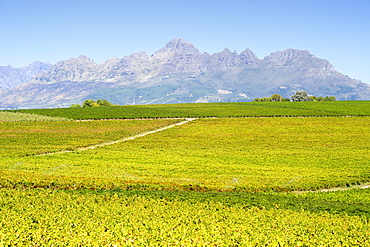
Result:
pixel 56 217
pixel 265 109
pixel 225 180
pixel 7 116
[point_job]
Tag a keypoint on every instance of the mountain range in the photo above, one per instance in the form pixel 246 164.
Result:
pixel 11 77
pixel 176 73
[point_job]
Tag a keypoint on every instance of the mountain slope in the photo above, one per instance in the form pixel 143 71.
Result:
pixel 12 77
pixel 179 72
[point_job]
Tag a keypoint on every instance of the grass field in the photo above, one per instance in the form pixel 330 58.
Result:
pixel 210 182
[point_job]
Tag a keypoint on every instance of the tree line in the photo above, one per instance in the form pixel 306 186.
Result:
pixel 298 96
pixel 93 103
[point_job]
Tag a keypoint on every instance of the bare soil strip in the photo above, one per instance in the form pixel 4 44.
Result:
pixel 121 140
pixel 360 186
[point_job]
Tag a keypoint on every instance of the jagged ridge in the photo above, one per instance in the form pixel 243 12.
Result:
pixel 179 72
pixel 11 77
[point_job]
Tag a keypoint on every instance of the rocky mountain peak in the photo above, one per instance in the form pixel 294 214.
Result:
pixel 248 53
pixel 177 47
pixel 300 61
pixel 287 55
pixel 11 77
pixel 226 59
pixel 85 60
pixel 35 64
pixel 180 44
pixel 102 69
pixel 178 56
pixel 71 69
pixel 249 58
pixel 81 61
pixel 226 52
pixel 111 60
pixel 138 56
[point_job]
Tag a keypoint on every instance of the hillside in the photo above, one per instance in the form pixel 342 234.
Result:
pixel 180 73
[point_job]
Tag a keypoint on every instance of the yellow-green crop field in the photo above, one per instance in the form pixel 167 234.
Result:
pixel 250 109
pixel 43 217
pixel 207 182
pixel 7 116
pixel 19 139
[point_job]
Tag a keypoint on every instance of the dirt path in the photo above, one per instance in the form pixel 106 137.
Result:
pixel 121 140
pixel 360 186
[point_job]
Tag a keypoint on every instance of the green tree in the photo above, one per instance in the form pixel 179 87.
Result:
pixel 75 106
pixel 89 103
pixel 320 98
pixel 263 99
pixel 313 98
pixel 103 102
pixel 99 102
pixel 301 96
pixel 277 97
pixel 331 98
pixel 274 98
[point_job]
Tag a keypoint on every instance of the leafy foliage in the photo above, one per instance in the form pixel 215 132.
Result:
pixel 92 103
pixel 273 98
pixel 327 98
pixel 301 96
pixel 52 217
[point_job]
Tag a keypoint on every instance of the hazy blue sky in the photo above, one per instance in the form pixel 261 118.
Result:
pixel 54 30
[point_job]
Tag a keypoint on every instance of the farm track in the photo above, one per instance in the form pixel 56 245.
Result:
pixel 121 140
pixel 359 186
pixel 214 117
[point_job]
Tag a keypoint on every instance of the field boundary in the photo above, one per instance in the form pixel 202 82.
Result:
pixel 334 189
pixel 217 117
pixel 187 120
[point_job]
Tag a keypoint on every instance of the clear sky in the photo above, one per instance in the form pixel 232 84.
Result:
pixel 54 30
